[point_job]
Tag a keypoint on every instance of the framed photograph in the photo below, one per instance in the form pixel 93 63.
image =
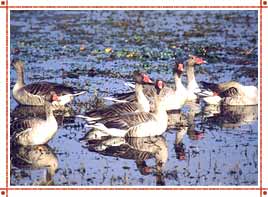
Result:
pixel 105 97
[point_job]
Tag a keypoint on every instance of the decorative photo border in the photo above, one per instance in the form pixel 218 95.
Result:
pixel 5 6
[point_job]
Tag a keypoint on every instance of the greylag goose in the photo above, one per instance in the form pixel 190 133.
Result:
pixel 192 87
pixel 230 93
pixel 173 99
pixel 38 93
pixel 34 131
pixel 142 104
pixel 141 124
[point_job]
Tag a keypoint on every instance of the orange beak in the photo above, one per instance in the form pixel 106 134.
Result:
pixel 160 84
pixel 180 67
pixel 147 79
pixel 199 60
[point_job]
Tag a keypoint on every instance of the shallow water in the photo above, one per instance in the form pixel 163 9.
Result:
pixel 97 51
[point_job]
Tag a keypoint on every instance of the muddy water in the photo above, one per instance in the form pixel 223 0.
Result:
pixel 97 51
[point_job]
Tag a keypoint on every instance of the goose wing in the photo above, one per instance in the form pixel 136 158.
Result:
pixel 44 88
pixel 20 126
pixel 127 121
pixel 227 88
pixel 112 110
pixel 211 86
pixel 148 91
pixel 127 96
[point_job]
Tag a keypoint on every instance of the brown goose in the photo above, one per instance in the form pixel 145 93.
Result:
pixel 38 93
pixel 141 124
pixel 174 99
pixel 34 131
pixel 142 104
pixel 230 93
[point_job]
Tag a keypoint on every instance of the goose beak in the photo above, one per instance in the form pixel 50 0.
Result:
pixel 150 81
pixel 199 60
pixel 147 79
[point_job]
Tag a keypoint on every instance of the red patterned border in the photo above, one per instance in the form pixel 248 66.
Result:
pixel 7 188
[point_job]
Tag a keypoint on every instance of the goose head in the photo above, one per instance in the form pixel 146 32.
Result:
pixel 52 96
pixel 159 85
pixel 194 60
pixel 18 65
pixel 142 78
pixel 179 67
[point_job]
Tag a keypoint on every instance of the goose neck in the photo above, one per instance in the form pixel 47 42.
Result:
pixel 160 109
pixel 190 73
pixel 143 103
pixel 178 82
pixel 20 77
pixel 49 113
pixel 192 84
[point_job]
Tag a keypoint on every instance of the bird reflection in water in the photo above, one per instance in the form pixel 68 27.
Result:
pixel 178 145
pixel 230 116
pixel 33 158
pixel 184 124
pixel 137 149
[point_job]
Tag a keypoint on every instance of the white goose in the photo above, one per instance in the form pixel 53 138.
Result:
pixel 230 93
pixel 142 104
pixel 175 99
pixel 34 131
pixel 38 93
pixel 141 124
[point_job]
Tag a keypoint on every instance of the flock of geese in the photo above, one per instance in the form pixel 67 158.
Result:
pixel 140 113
